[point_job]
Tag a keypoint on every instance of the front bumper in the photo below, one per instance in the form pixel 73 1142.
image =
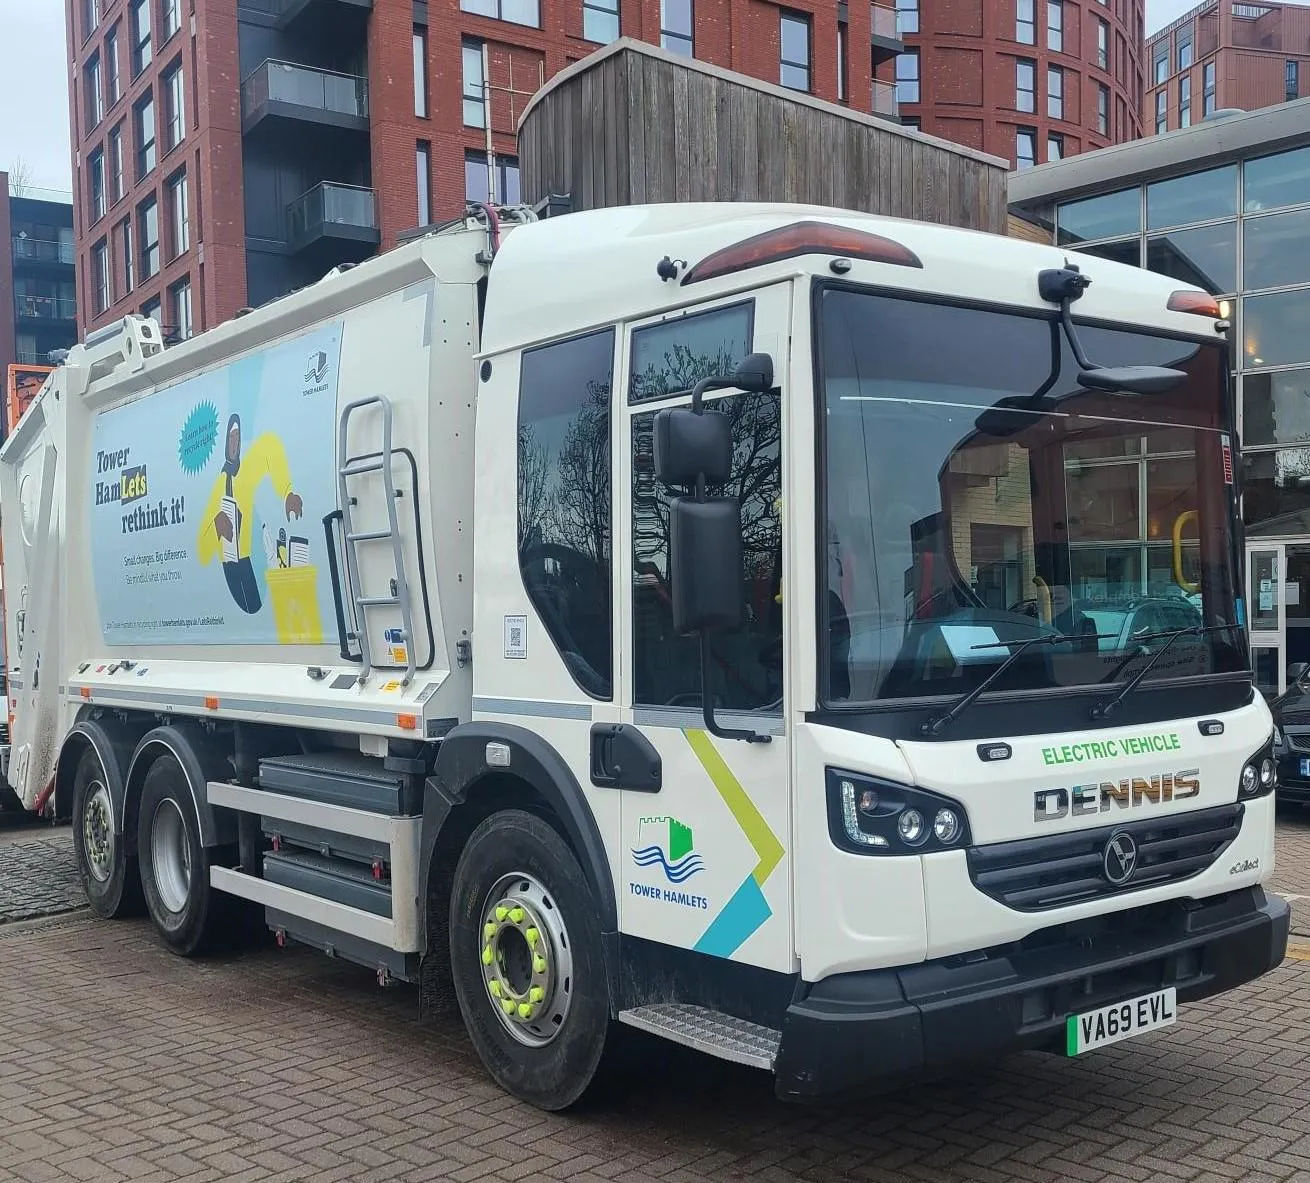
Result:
pixel 1292 785
pixel 875 1029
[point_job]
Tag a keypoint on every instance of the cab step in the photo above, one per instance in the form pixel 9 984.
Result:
pixel 709 1031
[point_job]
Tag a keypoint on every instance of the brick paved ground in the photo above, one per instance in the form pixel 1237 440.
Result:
pixel 119 1061
pixel 38 876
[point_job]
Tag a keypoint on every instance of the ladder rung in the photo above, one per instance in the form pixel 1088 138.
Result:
pixel 360 469
pixel 376 601
pixel 369 536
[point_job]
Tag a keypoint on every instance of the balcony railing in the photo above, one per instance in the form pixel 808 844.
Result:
pixel 26 357
pixel 884 22
pixel 44 308
pixel 884 99
pixel 306 87
pixel 40 250
pixel 327 205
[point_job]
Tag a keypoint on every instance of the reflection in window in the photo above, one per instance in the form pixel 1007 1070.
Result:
pixel 1206 256
pixel 1276 250
pixel 746 666
pixel 600 20
pixel 1128 251
pixel 1276 492
pixel 1276 408
pixel 1274 181
pixel 677 27
pixel 564 500
pixel 1274 327
pixel 518 12
pixel 1197 197
pixel 671 357
pixel 1108 216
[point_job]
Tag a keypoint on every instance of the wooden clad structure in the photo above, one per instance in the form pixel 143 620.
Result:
pixel 632 123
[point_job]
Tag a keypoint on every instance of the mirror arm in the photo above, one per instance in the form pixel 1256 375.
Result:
pixel 1066 319
pixel 707 703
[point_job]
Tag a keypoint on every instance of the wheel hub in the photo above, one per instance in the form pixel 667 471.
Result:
pixel 526 962
pixel 98 833
pixel 170 855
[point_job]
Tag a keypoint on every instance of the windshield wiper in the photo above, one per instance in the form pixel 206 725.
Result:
pixel 1103 710
pixel 939 723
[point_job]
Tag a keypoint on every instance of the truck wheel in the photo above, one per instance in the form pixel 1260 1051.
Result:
pixel 526 960
pixel 111 879
pixel 174 865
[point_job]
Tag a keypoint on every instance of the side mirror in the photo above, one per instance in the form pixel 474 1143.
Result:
pixel 754 373
pixel 1297 671
pixel 692 444
pixel 705 564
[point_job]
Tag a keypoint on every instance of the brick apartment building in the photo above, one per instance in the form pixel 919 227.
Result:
pixel 1225 55
pixel 228 151
pixel 1027 80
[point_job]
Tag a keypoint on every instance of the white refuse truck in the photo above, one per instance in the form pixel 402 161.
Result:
pixel 813 638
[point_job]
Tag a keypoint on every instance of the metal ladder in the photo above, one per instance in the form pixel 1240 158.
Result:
pixel 399 597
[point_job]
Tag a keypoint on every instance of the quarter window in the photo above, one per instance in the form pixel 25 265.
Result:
pixel 670 358
pixel 564 481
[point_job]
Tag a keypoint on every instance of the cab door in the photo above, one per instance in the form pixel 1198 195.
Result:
pixel 704 854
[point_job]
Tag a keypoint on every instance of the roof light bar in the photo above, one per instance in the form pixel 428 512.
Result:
pixel 1197 303
pixel 801 238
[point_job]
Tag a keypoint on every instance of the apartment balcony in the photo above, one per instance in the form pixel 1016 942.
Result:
pixel 887 42
pixel 40 250
pixel 334 220
pixel 299 97
pixel 45 309
pixel 885 102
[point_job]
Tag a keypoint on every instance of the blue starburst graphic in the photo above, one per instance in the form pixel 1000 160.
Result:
pixel 199 434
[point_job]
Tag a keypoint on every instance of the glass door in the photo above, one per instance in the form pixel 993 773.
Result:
pixel 1266 583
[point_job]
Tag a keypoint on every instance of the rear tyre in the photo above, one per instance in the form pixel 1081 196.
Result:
pixel 174 864
pixel 526 961
pixel 110 878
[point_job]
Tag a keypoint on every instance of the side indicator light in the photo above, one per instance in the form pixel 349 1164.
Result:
pixel 801 238
pixel 407 722
pixel 211 702
pixel 1196 303
pixel 86 691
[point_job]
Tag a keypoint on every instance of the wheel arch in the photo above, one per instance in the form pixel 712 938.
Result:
pixel 113 744
pixel 202 758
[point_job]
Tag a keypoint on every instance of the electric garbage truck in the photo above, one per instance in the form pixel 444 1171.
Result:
pixel 704 619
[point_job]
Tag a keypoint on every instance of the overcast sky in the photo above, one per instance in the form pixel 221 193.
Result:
pixel 34 96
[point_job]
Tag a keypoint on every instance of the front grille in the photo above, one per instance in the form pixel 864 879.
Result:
pixel 1293 718
pixel 1298 741
pixel 1035 874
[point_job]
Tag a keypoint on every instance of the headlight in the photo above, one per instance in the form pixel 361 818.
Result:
pixel 874 816
pixel 1259 775
pixel 1268 773
pixel 1278 738
pixel 1250 779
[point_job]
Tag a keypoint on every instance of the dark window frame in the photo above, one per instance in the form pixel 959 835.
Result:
pixel 140 31
pixel 803 21
pixel 683 39
pixel 605 10
pixel 150 251
pixel 475 95
pixel 147 147
pixel 672 322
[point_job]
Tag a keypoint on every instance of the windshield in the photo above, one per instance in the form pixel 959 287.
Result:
pixel 977 496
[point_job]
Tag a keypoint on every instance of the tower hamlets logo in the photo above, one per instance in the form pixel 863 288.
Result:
pixel 667 843
pixel 316 368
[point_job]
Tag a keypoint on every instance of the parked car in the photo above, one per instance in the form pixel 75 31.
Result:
pixel 1291 711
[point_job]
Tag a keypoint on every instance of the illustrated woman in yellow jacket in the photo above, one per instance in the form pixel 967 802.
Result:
pixel 228 518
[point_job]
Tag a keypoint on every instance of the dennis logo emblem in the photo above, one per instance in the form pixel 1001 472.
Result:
pixel 1120 859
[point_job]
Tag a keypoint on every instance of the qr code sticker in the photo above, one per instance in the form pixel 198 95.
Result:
pixel 516 638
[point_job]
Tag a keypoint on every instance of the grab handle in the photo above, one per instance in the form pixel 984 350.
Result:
pixel 1179 522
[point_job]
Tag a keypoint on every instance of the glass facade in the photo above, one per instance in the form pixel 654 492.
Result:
pixel 1242 232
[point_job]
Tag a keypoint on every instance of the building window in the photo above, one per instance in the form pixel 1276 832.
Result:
pixel 1185 101
pixel 506 175
pixel 1055 26
pixel 564 509
pixel 95 96
pixel 1292 80
pixel 172 18
pixel 95 166
pixel 1025 85
pixel 179 208
pixel 794 64
pixel 148 219
pixel 516 12
pixel 90 17
pixel 1103 108
pixel 676 25
pixel 1208 89
pixel 116 161
pixel 175 108
pixel 152 309
pixel 842 85
pixel 1025 147
pixel 129 259
pixel 475 99
pixel 600 20
pixel 421 75
pixel 1161 62
pixel 140 25
pixel 100 276
pixel 179 299
pixel 1025 25
pixel 113 76
pixel 907 16
pixel 1161 112
pixel 1271 182
pixel 423 177
pixel 1102 44
pixel 145 136
pixel 1185 50
pixel 1055 92
pixel 907 76
pixel 1055 146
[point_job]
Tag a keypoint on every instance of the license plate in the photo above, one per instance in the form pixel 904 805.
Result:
pixel 1122 1020
pixel 1305 767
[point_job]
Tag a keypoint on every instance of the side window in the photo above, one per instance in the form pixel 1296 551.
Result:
pixel 746 672
pixel 564 500
pixel 671 357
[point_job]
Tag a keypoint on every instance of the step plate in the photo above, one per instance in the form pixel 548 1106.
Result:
pixel 709 1031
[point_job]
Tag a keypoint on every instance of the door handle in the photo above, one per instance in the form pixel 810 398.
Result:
pixel 623 758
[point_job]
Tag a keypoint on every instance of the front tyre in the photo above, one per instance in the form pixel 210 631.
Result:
pixel 526 960
pixel 109 877
pixel 174 864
